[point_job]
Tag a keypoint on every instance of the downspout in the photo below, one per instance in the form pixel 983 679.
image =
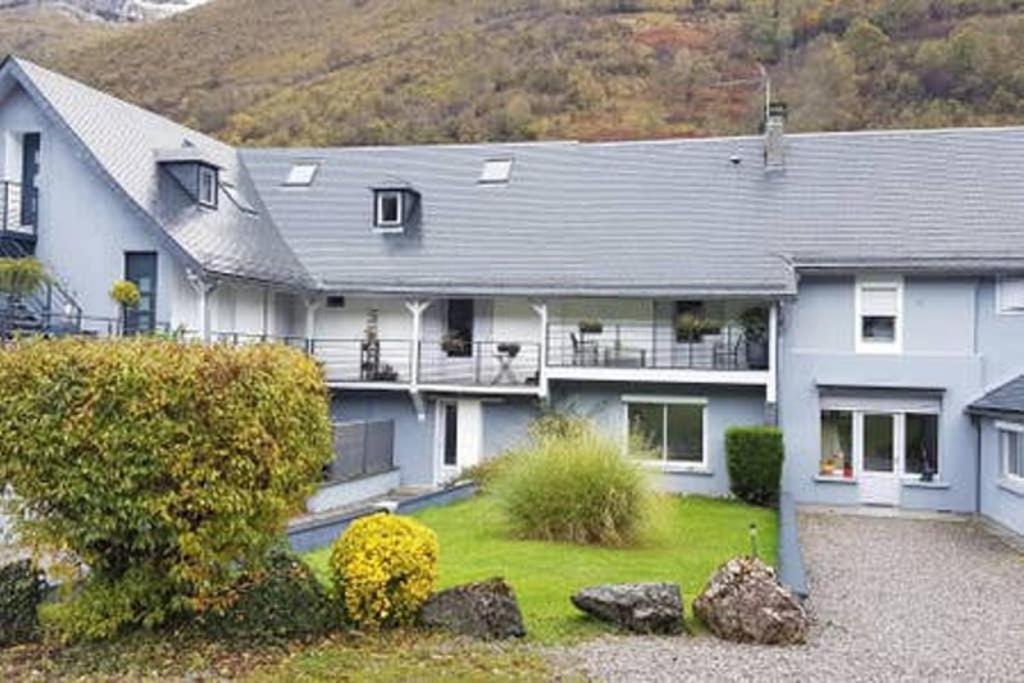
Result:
pixel 977 472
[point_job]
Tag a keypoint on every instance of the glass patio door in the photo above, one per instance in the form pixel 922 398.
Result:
pixel 879 471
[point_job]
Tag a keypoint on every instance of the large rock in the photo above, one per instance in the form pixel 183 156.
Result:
pixel 487 610
pixel 745 602
pixel 637 607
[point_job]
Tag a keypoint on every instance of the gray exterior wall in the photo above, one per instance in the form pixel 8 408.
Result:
pixel 1000 500
pixel 84 226
pixel 505 423
pixel 726 407
pixel 413 438
pixel 953 342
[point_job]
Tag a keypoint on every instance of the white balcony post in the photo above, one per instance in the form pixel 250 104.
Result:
pixel 204 288
pixel 541 309
pixel 771 391
pixel 312 304
pixel 416 307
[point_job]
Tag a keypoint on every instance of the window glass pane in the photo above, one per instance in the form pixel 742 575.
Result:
pixel 647 427
pixel 878 328
pixel 922 444
pixel 878 440
pixel 207 186
pixel 836 443
pixel 389 208
pixel 1013 453
pixel 451 434
pixel 685 433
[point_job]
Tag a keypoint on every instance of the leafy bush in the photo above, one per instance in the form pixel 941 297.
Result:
pixel 21 590
pixel 167 468
pixel 572 483
pixel 754 458
pixel 384 568
pixel 280 601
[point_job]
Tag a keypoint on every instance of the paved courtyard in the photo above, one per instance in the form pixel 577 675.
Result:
pixel 892 599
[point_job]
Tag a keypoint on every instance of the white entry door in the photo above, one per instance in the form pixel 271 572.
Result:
pixel 459 433
pixel 879 455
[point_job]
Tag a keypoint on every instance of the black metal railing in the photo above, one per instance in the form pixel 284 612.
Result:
pixel 364 360
pixel 479 363
pixel 362 449
pixel 650 344
pixel 19 209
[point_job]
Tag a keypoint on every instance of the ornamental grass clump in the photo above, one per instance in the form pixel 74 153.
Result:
pixel 169 469
pixel 572 483
pixel 384 568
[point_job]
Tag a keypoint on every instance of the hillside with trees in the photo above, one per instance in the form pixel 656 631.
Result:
pixel 332 72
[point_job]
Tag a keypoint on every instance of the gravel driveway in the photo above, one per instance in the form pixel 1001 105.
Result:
pixel 892 599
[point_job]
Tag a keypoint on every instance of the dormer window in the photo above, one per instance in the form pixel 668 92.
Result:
pixel 396 208
pixel 195 170
pixel 389 209
pixel 207 186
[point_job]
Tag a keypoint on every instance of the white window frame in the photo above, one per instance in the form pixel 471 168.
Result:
pixel 665 401
pixel 379 221
pixel 1003 429
pixel 207 201
pixel 899 439
pixel 1001 306
pixel 866 346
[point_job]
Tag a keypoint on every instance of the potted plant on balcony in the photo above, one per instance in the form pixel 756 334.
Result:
pixel 754 322
pixel 455 344
pixel 691 327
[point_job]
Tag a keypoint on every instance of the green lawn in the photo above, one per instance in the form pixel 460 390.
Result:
pixel 696 535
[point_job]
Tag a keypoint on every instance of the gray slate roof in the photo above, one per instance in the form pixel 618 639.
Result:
pixel 651 218
pixel 1005 399
pixel 122 142
pixel 666 217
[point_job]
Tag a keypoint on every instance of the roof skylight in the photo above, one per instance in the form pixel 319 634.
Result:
pixel 302 174
pixel 496 171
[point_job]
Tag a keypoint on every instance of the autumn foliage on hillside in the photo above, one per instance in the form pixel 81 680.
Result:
pixel 339 72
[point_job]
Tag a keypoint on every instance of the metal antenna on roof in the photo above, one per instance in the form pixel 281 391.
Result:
pixel 766 82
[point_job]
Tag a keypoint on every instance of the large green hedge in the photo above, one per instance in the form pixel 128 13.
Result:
pixel 168 468
pixel 754 459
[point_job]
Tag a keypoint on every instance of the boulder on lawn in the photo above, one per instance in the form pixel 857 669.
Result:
pixel 487 610
pixel 637 607
pixel 745 602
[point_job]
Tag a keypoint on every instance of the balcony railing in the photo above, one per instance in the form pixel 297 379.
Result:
pixel 362 360
pixel 651 344
pixel 480 363
pixel 19 210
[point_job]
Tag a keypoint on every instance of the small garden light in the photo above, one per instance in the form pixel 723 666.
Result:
pixel 753 539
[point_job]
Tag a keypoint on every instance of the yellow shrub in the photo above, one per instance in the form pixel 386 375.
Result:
pixel 384 568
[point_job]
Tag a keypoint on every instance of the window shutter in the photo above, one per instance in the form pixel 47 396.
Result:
pixel 1011 294
pixel 879 300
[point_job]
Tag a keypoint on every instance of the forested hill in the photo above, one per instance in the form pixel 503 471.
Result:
pixel 321 72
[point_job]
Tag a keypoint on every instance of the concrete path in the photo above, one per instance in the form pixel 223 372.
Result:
pixel 892 599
